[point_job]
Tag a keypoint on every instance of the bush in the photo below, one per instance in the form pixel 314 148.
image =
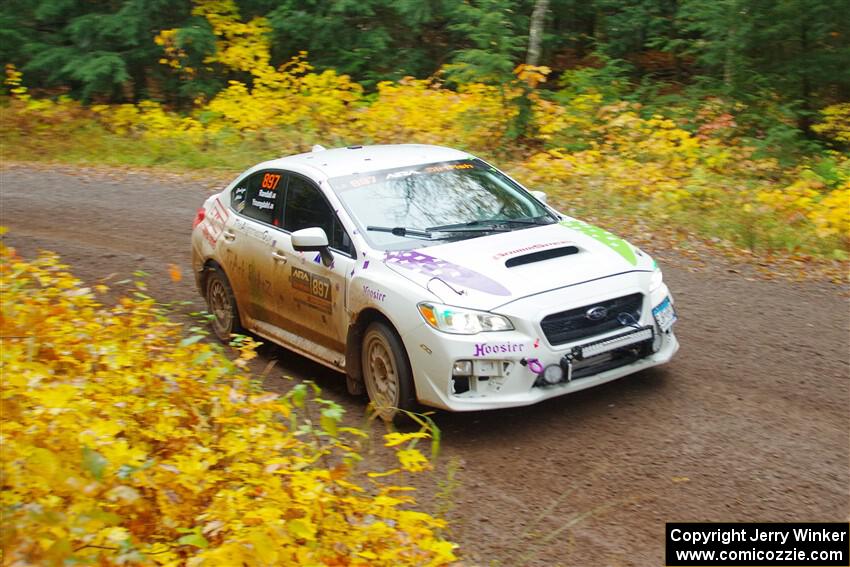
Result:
pixel 690 167
pixel 127 442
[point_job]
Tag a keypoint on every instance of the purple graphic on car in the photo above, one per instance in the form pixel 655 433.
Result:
pixel 446 271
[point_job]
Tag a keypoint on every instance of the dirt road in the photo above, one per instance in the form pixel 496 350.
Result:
pixel 750 422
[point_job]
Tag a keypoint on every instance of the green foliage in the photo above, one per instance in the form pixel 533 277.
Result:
pixel 195 41
pixel 95 49
pixel 793 51
pixel 609 78
pixel 372 40
pixel 494 37
pixel 628 26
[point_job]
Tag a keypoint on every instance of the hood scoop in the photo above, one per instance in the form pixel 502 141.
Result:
pixel 540 256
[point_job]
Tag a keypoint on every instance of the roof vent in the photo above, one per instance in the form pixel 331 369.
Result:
pixel 318 148
pixel 540 256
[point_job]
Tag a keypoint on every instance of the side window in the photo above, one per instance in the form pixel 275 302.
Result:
pixel 255 195
pixel 305 207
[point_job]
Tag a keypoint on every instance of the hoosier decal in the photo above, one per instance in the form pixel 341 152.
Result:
pixel 483 349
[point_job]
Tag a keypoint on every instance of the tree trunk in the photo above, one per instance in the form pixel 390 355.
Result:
pixel 804 119
pixel 535 31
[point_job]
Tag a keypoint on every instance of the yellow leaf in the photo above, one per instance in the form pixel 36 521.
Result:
pixel 412 460
pixel 348 485
pixel 302 529
pixel 385 473
pixel 395 438
pixel 174 272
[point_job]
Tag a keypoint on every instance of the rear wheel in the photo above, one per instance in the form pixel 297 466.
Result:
pixel 222 305
pixel 386 372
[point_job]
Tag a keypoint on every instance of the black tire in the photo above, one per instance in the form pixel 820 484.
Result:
pixel 386 372
pixel 221 304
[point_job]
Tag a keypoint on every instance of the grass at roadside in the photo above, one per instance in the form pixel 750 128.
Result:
pixel 88 142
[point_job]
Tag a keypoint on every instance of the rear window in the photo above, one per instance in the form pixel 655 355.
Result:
pixel 256 195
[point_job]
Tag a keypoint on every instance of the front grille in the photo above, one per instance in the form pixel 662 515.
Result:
pixel 572 325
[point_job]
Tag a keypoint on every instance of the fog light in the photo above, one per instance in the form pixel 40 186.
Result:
pixel 553 374
pixel 462 368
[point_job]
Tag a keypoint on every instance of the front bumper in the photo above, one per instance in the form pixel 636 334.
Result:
pixel 507 366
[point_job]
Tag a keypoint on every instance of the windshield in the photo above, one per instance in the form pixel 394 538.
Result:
pixel 403 207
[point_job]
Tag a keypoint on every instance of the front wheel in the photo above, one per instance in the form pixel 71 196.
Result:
pixel 222 306
pixel 386 372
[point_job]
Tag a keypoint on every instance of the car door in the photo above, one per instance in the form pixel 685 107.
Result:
pixel 316 309
pixel 251 255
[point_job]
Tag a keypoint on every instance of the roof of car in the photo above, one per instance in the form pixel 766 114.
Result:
pixel 363 159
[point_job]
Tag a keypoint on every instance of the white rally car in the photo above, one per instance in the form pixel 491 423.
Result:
pixel 426 274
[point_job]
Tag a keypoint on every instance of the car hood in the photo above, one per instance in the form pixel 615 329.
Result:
pixel 490 271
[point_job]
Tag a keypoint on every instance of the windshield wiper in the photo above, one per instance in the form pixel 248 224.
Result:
pixel 427 233
pixel 489 224
pixel 402 231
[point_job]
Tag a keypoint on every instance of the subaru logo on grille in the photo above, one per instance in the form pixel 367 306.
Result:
pixel 596 313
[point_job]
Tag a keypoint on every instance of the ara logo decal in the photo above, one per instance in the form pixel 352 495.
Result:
pixel 613 242
pixel 311 289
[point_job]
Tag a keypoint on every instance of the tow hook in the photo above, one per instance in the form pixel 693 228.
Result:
pixel 567 362
pixel 533 364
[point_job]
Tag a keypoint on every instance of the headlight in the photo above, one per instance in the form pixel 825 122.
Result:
pixel 657 279
pixel 462 321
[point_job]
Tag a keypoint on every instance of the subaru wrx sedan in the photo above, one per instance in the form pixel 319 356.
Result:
pixel 425 274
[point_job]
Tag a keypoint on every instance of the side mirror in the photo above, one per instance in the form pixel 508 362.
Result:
pixel 313 239
pixel 540 196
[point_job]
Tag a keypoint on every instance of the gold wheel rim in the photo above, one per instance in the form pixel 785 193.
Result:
pixel 382 374
pixel 220 307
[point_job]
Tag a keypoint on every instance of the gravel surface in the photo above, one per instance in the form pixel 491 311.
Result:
pixel 750 422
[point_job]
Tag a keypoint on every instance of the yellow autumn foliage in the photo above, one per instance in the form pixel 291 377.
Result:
pixel 835 123
pixel 124 441
pixel 582 149
pixel 423 111
pixel 662 168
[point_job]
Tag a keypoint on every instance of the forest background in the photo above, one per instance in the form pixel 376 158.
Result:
pixel 726 121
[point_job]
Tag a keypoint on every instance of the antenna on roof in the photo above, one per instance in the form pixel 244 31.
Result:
pixel 318 148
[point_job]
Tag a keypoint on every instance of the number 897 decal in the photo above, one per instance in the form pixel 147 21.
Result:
pixel 315 291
